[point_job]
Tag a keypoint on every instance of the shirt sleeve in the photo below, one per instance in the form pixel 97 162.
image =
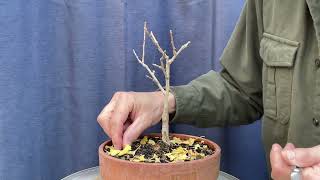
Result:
pixel 234 95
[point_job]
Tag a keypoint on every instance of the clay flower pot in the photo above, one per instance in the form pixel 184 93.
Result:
pixel 202 169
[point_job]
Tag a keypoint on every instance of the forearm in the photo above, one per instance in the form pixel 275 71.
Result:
pixel 212 100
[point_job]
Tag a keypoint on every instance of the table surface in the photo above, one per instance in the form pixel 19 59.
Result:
pixel 93 174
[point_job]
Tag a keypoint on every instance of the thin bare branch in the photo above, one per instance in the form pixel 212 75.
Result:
pixel 179 51
pixel 149 77
pixel 161 63
pixel 135 54
pixel 151 72
pixel 156 65
pixel 162 68
pixel 155 80
pixel 145 30
pixel 156 43
pixel 174 51
pixel 183 47
pixel 157 83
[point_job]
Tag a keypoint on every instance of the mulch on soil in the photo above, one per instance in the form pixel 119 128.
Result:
pixel 154 150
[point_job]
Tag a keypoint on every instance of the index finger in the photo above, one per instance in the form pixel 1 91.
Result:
pixel 116 114
pixel 303 157
pixel 104 117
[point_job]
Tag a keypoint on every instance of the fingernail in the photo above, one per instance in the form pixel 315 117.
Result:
pixel 290 154
pixel 275 147
pixel 289 146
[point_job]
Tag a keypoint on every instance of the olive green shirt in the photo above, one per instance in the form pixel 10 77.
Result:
pixel 270 69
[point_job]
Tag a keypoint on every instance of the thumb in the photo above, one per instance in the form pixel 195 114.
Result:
pixel 134 130
pixel 302 157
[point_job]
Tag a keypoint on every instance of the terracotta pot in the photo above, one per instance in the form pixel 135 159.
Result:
pixel 203 169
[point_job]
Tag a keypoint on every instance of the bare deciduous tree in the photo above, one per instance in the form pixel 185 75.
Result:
pixel 165 62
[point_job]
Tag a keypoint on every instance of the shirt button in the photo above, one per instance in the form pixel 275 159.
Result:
pixel 316 122
pixel 317 62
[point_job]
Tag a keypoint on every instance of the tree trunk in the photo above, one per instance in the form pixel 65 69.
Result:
pixel 165 114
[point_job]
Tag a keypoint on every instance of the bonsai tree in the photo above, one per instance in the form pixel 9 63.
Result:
pixel 153 149
pixel 165 63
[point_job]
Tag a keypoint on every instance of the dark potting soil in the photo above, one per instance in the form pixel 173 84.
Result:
pixel 154 150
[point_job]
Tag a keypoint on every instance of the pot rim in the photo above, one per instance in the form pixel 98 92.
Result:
pixel 215 155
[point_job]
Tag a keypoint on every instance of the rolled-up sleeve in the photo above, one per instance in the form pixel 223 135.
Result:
pixel 234 95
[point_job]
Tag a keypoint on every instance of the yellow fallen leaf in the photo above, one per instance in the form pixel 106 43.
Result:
pixel 144 140
pixel 170 156
pixel 179 150
pixel 181 157
pixel 192 155
pixel 189 141
pixel 191 152
pixel 132 152
pixel 157 160
pixel 151 142
pixel 178 154
pixel 114 152
pixel 125 150
pixel 176 140
pixel 139 159
pixel 196 146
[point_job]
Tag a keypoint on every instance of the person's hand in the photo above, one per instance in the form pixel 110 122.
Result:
pixel 128 114
pixel 283 160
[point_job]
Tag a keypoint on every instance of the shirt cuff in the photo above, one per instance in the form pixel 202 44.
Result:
pixel 187 104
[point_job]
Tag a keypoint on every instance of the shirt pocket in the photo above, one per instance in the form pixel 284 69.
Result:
pixel 278 55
